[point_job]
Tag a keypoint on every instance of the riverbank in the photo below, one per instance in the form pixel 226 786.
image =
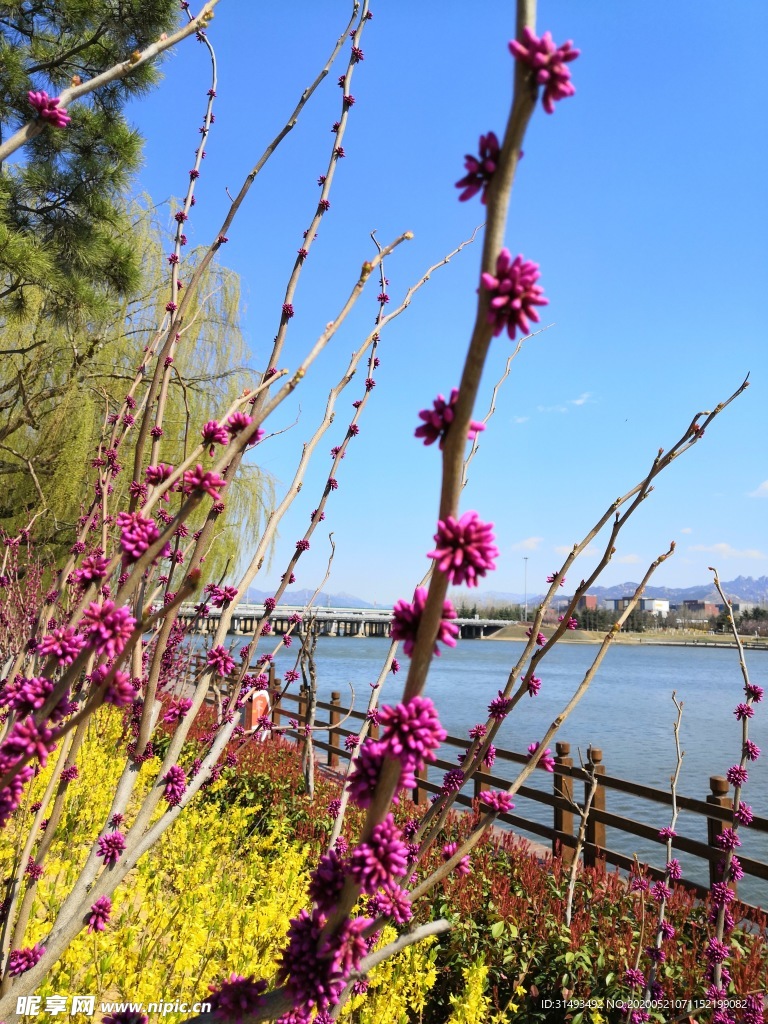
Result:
pixel 680 638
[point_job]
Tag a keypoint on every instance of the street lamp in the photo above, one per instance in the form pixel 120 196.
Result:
pixel 525 559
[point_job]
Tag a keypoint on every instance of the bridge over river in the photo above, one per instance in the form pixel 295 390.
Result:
pixel 326 621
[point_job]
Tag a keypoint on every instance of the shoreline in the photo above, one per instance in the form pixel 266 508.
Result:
pixel 580 636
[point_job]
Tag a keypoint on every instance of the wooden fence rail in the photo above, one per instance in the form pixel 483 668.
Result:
pixel 715 809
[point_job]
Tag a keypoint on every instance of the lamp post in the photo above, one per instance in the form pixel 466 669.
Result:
pixel 525 559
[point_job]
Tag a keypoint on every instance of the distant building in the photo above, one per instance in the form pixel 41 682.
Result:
pixel 587 603
pixel 655 605
pixel 740 607
pixel 700 609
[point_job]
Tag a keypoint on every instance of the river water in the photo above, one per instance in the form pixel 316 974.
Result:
pixel 627 712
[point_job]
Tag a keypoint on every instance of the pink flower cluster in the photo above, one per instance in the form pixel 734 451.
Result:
pixel 177 709
pixel 549 63
pixel 514 294
pixel 497 801
pixel 136 534
pixel 110 846
pixel 107 627
pixel 463 866
pixel 92 568
pixel 99 914
pixel 198 479
pixel 480 169
pixel 438 419
pixel 407 618
pixel 315 970
pixel 374 863
pixel 49 109
pixel 546 761
pixel 22 960
pixel 175 784
pixel 412 733
pixel 221 661
pixel 236 997
pixel 62 644
pixel 465 550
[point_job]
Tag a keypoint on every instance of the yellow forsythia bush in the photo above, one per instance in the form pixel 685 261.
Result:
pixel 211 898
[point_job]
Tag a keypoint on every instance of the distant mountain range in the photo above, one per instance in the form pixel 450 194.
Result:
pixel 301 597
pixel 743 588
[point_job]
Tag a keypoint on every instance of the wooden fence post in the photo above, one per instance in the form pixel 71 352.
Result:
pixel 333 720
pixel 419 793
pixel 480 786
pixel 302 716
pixel 595 837
pixel 563 788
pixel 719 797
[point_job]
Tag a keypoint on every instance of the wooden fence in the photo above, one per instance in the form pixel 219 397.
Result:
pixel 561 834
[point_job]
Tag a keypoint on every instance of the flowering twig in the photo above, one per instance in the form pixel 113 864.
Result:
pixel 728 840
pixel 583 813
pixel 113 74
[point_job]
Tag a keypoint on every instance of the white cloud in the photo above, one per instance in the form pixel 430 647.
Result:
pixel 627 559
pixel 520 419
pixel 529 544
pixel 761 492
pixel 551 408
pixel 728 551
pixel 584 398
pixel 686 529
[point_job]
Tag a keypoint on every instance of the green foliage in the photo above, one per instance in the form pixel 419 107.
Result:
pixel 59 382
pixel 63 226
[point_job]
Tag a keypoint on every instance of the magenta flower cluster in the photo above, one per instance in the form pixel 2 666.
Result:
pixel 62 644
pixel 136 534
pixel 480 169
pixel 412 732
pixel 315 970
pixel 437 420
pixel 110 846
pixel 49 108
pixel 406 620
pixel 465 550
pixel 107 627
pixel 198 479
pixel 177 709
pixel 221 661
pixel 175 784
pixel 500 707
pixel 99 914
pixel 236 997
pixel 374 863
pixel 497 801
pixel 546 761
pixel 514 294
pixel 463 866
pixel 22 960
pixel 549 63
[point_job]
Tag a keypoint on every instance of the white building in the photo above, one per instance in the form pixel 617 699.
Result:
pixel 655 605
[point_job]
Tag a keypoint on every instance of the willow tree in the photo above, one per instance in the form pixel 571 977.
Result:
pixel 60 381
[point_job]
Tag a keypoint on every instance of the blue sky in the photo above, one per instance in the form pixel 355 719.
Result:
pixel 643 200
